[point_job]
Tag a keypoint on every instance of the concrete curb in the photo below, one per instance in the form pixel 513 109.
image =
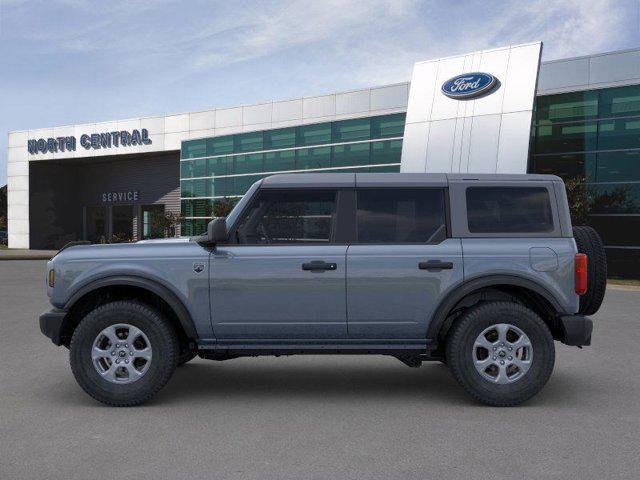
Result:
pixel 6 258
pixel 619 286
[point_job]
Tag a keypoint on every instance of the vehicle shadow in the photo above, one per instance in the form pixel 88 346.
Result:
pixel 317 379
pixel 352 380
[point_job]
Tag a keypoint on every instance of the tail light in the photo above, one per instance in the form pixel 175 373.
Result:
pixel 580 263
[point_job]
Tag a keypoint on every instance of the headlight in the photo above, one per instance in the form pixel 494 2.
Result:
pixel 52 277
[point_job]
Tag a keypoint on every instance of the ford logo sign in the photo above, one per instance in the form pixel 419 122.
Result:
pixel 468 85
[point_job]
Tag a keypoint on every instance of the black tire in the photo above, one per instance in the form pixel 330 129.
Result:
pixel 187 353
pixel 460 347
pixel 588 242
pixel 164 346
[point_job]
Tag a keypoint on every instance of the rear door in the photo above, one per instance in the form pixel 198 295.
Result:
pixel 401 262
pixel 284 275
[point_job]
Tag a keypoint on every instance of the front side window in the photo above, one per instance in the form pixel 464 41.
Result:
pixel 509 210
pixel 401 215
pixel 288 217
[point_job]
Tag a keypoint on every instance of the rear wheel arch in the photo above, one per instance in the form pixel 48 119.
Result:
pixel 121 287
pixel 492 288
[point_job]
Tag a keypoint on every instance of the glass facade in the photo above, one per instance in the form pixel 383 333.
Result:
pixel 212 169
pixel 592 140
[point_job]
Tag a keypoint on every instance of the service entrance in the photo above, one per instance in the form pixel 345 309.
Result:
pixel 109 223
pixel 122 223
pixel 104 200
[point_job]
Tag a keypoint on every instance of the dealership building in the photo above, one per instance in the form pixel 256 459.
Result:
pixel 114 181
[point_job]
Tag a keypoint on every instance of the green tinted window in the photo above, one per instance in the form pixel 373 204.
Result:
pixel 192 228
pixel 614 134
pixel 242 184
pixel 308 158
pixel 197 208
pixel 194 148
pixel 388 126
pixel 186 170
pixel 220 166
pixel 616 198
pixel 313 134
pixel 220 145
pixel 573 137
pixel 620 102
pixel 280 161
pixel 566 166
pixel 186 188
pixel 199 167
pixel 202 187
pixel 248 163
pixel 388 151
pixel 566 107
pixel 248 142
pixel 385 169
pixel 618 166
pixel 196 188
pixel 347 155
pixel 223 186
pixel 352 130
pixel 280 138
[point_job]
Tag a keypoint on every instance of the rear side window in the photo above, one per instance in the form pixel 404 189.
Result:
pixel 402 215
pixel 509 210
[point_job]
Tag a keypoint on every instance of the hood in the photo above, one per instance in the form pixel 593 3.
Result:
pixel 165 240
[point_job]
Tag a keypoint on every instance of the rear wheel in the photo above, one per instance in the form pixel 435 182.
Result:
pixel 501 353
pixel 588 242
pixel 123 352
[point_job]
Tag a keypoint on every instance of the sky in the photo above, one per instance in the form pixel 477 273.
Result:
pixel 65 62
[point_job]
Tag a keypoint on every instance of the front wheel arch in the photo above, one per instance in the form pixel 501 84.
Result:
pixel 99 292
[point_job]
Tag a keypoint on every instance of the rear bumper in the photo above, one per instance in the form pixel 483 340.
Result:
pixel 51 324
pixel 575 330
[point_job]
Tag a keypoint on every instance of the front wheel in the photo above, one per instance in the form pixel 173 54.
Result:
pixel 502 353
pixel 123 352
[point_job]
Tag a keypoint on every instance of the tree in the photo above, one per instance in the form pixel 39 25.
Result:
pixel 580 199
pixel 163 224
pixel 585 199
pixel 223 206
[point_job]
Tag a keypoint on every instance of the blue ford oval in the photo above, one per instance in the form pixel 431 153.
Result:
pixel 468 85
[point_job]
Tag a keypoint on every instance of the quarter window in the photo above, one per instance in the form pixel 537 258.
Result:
pixel 509 210
pixel 402 215
pixel 289 217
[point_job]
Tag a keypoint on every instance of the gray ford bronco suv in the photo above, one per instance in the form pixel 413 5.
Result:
pixel 481 272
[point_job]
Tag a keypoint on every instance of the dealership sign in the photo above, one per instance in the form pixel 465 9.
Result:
pixel 127 196
pixel 469 85
pixel 93 141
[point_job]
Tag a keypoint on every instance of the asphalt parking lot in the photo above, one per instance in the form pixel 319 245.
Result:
pixel 315 417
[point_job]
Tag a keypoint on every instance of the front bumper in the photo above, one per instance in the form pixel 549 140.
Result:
pixel 575 330
pixel 51 324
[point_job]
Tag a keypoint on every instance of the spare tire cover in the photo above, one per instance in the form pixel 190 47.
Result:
pixel 588 242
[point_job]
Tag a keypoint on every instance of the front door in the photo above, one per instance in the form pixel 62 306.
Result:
pixel 401 263
pixel 282 276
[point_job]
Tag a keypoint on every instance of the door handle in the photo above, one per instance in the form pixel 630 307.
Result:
pixel 435 265
pixel 319 266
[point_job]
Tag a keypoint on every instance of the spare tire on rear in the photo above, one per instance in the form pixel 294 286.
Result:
pixel 588 242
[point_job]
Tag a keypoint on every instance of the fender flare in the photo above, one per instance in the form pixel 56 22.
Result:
pixel 464 289
pixel 178 307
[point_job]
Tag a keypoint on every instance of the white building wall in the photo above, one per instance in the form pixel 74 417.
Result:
pixel 167 133
pixel 487 134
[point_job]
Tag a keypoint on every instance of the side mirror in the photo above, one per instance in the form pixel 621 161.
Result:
pixel 217 230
